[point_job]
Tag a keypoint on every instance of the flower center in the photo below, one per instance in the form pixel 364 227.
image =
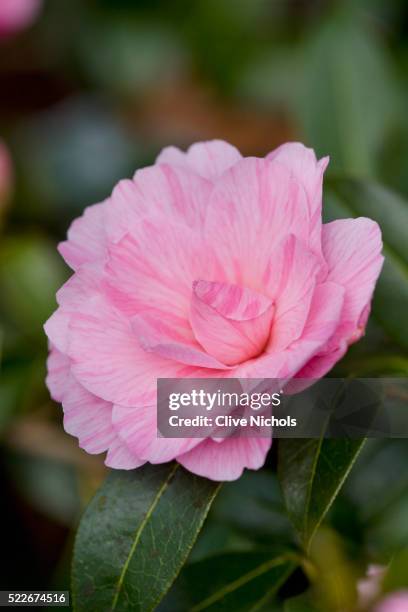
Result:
pixel 231 323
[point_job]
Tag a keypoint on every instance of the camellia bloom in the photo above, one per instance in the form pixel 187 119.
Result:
pixel 206 264
pixel 15 15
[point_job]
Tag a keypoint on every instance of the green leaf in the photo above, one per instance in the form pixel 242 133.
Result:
pixel 311 473
pixel 239 581
pixel 355 198
pixel 254 507
pixel 347 99
pixel 248 513
pixel 135 536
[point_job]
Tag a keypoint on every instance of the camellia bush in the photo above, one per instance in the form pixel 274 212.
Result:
pixel 211 265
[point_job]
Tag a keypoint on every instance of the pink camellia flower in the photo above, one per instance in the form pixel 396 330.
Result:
pixel 395 602
pixel 15 15
pixel 209 265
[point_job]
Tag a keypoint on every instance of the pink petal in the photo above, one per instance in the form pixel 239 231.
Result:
pixel 86 237
pixel 321 324
pixel 56 328
pixel 138 428
pixel 231 323
pixel 108 361
pixel 319 365
pixel 209 159
pixel 291 278
pixel 253 205
pixel 226 460
pixel 309 172
pixel 153 269
pixel 171 193
pixel 78 289
pixel 173 156
pixel 352 248
pixel 120 458
pixel 87 417
pixel 156 337
pixel 58 366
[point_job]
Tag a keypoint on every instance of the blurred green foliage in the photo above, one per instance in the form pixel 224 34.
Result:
pixel 92 91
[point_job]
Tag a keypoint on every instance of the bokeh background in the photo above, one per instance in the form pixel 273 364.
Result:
pixel 92 89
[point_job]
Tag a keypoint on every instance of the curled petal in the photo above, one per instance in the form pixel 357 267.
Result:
pixel 232 323
pixel 157 338
pixel 322 322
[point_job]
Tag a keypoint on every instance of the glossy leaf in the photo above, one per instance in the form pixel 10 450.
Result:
pixel 253 505
pixel 311 473
pixel 238 581
pixel 248 513
pixel 136 535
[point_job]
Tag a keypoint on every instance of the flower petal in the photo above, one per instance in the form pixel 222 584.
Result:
pixel 108 360
pixel 120 458
pixel 138 428
pixel 155 336
pixel 209 159
pixel 226 460
pixel 309 172
pixel 86 237
pixel 352 248
pixel 58 366
pixel 78 289
pixel 87 417
pixel 231 323
pixel 323 318
pixel 153 269
pixel 56 328
pixel 175 194
pixel 253 205
pixel 291 277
